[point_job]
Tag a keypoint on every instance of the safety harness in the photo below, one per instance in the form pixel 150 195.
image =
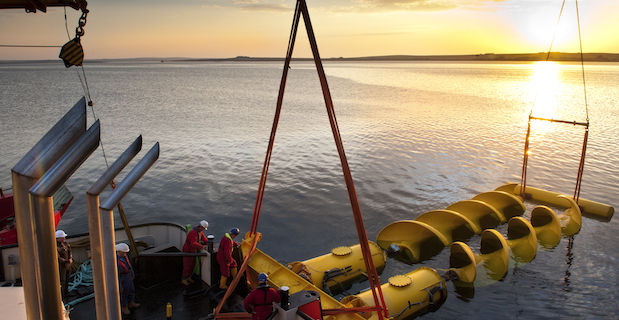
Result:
pixel 125 268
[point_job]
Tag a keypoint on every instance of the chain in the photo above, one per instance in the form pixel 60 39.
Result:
pixel 79 31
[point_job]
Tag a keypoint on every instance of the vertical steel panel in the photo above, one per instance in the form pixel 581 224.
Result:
pixel 43 216
pixel 50 297
pixel 25 174
pixel 101 229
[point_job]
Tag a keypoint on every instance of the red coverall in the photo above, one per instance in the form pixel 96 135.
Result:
pixel 224 255
pixel 259 301
pixel 192 244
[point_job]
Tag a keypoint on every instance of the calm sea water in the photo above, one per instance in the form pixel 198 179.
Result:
pixel 419 136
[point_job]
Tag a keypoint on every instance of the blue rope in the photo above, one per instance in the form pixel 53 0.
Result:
pixel 82 277
pixel 76 301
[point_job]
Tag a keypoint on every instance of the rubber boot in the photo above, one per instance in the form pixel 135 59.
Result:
pixel 126 311
pixel 133 305
pixel 233 273
pixel 185 282
pixel 190 280
pixel 222 283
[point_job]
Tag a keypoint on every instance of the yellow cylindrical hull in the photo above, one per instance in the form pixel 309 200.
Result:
pixel 346 265
pixel 405 296
pixel 596 209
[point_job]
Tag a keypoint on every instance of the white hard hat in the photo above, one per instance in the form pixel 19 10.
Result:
pixel 122 247
pixel 204 224
pixel 60 234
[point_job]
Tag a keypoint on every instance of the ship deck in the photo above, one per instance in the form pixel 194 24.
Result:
pixel 196 301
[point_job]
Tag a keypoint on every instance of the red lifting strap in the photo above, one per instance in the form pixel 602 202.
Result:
pixel 301 8
pixel 581 167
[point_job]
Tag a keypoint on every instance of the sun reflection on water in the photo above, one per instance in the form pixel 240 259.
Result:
pixel 546 86
pixel 546 96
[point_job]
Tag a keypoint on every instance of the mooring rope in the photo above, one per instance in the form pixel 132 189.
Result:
pixel 82 277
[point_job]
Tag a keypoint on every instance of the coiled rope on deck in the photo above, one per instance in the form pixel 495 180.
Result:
pixel 82 277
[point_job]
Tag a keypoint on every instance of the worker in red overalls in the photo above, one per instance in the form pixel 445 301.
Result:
pixel 227 264
pixel 194 242
pixel 260 301
pixel 125 279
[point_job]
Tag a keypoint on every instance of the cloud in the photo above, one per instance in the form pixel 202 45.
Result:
pixel 387 6
pixel 275 8
pixel 375 6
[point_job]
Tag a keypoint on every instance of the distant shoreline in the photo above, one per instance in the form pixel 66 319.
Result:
pixel 540 56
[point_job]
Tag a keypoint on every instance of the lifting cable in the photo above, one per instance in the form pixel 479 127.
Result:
pixel 265 169
pixel 379 304
pixel 280 99
pixel 84 82
pixel 379 301
pixel 74 56
pixel 581 166
pixel 585 124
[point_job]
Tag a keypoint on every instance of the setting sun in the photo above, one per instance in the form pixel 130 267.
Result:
pixel 541 27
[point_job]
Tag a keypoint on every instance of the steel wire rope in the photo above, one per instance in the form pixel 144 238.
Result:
pixel 27 46
pixel 525 161
pixel 582 63
pixel 86 89
pixel 586 135
pixel 581 167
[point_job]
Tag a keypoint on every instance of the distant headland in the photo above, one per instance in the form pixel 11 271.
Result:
pixel 540 56
pixel 496 57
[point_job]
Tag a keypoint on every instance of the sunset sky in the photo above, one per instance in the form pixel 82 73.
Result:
pixel 344 28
